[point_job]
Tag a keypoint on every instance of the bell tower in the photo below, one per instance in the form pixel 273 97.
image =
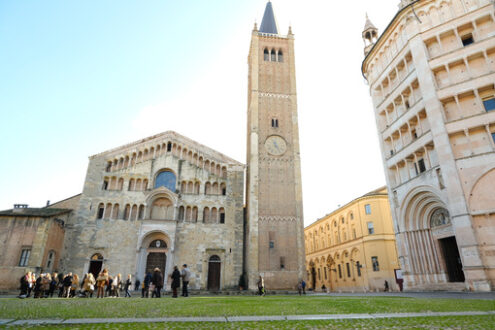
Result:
pixel 275 226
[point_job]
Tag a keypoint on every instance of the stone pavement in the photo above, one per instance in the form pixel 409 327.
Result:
pixel 11 322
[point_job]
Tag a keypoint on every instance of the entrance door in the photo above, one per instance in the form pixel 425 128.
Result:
pixel 95 267
pixel 156 260
pixel 452 259
pixel 214 265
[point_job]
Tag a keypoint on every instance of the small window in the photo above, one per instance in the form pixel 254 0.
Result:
pixel 352 216
pixel 376 265
pixel 101 211
pixel 49 262
pixel 282 264
pixel 272 244
pixel 222 217
pixel 467 40
pixel 340 271
pixel 24 260
pixel 169 146
pixel 105 185
pixel 273 56
pixel 266 55
pixel 358 268
pixel 280 56
pixel 348 267
pixel 367 209
pixel 489 104
pixel 421 165
pixel 275 123
pixel 371 229
pixel 109 166
pixel 342 220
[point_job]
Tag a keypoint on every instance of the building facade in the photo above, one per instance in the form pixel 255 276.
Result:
pixel 431 75
pixel 275 242
pixel 162 201
pixel 31 239
pixel 353 248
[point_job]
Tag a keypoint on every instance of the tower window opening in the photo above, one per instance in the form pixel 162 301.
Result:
pixel 275 123
pixel 273 57
pixel 467 39
pixel 266 55
pixel 169 146
pixel 421 165
pixel 280 56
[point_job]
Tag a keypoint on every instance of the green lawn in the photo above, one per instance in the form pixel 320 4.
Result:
pixel 228 306
pixel 451 322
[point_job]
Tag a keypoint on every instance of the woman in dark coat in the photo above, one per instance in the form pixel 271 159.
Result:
pixel 157 281
pixel 175 281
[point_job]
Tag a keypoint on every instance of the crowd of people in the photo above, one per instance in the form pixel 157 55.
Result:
pixel 69 285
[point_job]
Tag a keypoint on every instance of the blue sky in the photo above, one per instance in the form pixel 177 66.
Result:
pixel 81 77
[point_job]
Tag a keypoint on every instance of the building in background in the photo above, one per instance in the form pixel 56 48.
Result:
pixel 431 75
pixel 31 239
pixel 353 248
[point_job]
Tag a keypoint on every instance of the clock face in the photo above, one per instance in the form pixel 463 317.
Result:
pixel 275 145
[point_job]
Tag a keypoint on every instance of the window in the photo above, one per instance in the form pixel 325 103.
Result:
pixel 342 220
pixel 24 260
pixel 376 265
pixel 266 55
pixel 358 268
pixel 467 39
pixel 222 216
pixel 274 56
pixel 49 262
pixel 421 165
pixel 272 244
pixel 352 216
pixel 367 209
pixel 166 179
pixel 340 271
pixel 101 211
pixel 275 123
pixel 371 229
pixel 109 166
pixel 280 56
pixel 282 263
pixel 489 104
pixel 169 146
pixel 105 184
pixel 348 267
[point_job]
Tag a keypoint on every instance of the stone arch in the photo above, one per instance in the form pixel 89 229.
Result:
pixel 481 196
pixel 156 255
pixel 162 207
pixel 418 205
pixel 165 178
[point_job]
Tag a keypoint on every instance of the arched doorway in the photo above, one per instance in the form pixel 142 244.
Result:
pixel 440 218
pixel 157 257
pixel 95 264
pixel 214 268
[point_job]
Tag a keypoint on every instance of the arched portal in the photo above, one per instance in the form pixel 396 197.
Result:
pixel 214 268
pixel 154 253
pixel 95 264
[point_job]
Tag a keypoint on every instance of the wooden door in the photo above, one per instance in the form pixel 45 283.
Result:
pixel 214 268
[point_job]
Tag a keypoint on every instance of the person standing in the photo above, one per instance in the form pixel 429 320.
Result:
pixel 101 281
pixel 67 284
pixel 53 284
pixel 186 275
pixel 60 284
pixel 175 281
pixel 146 285
pixel 157 282
pixel 128 285
pixel 25 285
pixel 137 284
pixel 261 286
pixel 89 285
pixel 303 283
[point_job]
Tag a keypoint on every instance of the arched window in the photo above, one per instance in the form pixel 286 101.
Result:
pixel 223 189
pixel 115 211
pixel 132 184
pixel 214 215
pixel 273 56
pixel 206 215
pixel 188 213
pixel 183 187
pixel 181 213
pixel 166 179
pixel 133 212
pixel 266 55
pixel 190 187
pixel 214 189
pixel 141 212
pixel 108 211
pixel 121 184
pixel 207 188
pixel 222 215
pixel 224 172
pixel 138 185
pixel 194 214
pixel 145 184
pixel 196 188
pixel 280 56
pixel 127 212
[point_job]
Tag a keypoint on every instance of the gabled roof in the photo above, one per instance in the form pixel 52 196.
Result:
pixel 269 24
pixel 173 137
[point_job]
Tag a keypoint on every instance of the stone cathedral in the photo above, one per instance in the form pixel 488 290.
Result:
pixel 167 200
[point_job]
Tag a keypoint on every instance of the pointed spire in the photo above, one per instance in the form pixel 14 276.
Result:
pixel 369 25
pixel 269 24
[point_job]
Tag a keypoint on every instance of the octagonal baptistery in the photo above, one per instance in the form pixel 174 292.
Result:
pixel 431 75
pixel 162 201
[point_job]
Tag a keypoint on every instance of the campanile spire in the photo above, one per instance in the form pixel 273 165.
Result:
pixel 269 23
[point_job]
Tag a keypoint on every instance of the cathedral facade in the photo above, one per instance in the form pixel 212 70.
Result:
pixel 167 200
pixel 431 75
